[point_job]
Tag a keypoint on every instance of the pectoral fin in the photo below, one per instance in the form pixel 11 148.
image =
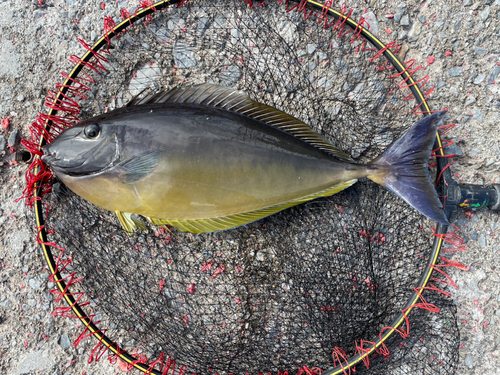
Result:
pixel 138 167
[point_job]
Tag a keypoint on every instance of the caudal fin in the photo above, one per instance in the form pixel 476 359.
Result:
pixel 403 169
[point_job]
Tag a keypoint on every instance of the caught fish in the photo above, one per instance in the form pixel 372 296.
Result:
pixel 207 158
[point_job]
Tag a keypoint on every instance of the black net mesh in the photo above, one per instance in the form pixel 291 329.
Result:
pixel 283 292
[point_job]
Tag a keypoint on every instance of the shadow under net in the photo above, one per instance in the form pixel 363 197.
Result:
pixel 283 292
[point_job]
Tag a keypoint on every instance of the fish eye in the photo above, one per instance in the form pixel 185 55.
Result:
pixel 92 130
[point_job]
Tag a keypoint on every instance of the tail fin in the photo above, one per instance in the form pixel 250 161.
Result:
pixel 402 169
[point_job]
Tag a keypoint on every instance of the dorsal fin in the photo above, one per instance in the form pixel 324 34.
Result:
pixel 238 101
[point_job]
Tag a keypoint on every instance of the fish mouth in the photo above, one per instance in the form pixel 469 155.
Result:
pixel 80 166
pixel 57 165
pixel 51 159
pixel 48 157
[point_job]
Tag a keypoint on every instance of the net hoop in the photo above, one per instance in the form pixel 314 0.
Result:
pixel 92 60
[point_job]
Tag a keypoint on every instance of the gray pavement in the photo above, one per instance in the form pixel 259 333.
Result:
pixel 456 41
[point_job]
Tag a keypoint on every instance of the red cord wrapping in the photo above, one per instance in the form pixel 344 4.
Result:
pixel 445 143
pixel 452 238
pixel 252 5
pixel 361 350
pixel 109 26
pixel 308 371
pixel 446 128
pixel 126 15
pixel 340 356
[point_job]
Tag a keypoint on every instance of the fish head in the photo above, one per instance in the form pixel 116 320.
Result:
pixel 84 149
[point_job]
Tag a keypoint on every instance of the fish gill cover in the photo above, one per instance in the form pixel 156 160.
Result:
pixel 301 291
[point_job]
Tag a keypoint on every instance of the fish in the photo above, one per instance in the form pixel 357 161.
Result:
pixel 207 158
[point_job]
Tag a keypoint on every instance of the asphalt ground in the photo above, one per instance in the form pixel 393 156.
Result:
pixel 456 42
